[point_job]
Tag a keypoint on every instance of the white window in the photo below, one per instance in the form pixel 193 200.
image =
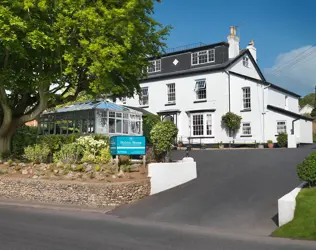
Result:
pixel 201 57
pixel 155 66
pixel 245 61
pixel 246 128
pixel 144 98
pixel 200 89
pixel 171 92
pixel 246 98
pixel 201 124
pixel 281 127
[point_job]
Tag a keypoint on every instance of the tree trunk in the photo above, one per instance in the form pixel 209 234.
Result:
pixel 5 144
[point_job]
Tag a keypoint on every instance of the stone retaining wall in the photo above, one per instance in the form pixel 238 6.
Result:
pixel 61 192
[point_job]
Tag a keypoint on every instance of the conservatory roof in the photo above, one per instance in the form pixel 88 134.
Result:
pixel 92 105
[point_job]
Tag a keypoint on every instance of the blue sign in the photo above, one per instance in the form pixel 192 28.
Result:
pixel 128 145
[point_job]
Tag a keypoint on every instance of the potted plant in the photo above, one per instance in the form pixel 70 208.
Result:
pixel 203 146
pixel 270 143
pixel 220 145
pixel 180 143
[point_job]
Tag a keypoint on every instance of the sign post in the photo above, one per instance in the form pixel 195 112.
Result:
pixel 128 145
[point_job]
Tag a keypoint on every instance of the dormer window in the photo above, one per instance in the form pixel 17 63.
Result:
pixel 155 66
pixel 201 57
pixel 245 61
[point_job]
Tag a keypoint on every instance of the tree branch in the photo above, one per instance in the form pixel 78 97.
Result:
pixel 38 109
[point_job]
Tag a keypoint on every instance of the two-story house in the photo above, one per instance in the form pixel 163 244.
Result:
pixel 195 87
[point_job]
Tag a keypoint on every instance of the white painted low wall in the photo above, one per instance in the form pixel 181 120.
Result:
pixel 291 141
pixel 164 176
pixel 287 204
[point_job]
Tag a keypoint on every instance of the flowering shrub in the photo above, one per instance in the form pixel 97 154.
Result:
pixel 68 154
pixel 37 153
pixel 94 150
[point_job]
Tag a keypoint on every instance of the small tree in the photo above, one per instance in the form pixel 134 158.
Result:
pixel 163 136
pixel 306 170
pixel 149 121
pixel 282 140
pixel 231 121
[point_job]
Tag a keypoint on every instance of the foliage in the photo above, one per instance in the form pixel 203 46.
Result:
pixel 306 170
pixel 97 168
pixel 282 140
pixel 92 148
pixel 314 137
pixel 150 155
pixel 126 168
pixel 313 113
pixel 308 99
pixel 5 155
pixel 10 162
pixel 231 121
pixel 37 153
pixel 23 137
pixel 307 115
pixel 100 137
pixel 303 224
pixel 79 168
pixel 68 154
pixel 163 136
pixel 3 172
pixel 269 141
pixel 52 51
pixel 124 160
pixel 105 155
pixel 55 142
pixel 149 121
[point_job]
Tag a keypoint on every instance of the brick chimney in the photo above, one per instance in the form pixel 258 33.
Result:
pixel 233 41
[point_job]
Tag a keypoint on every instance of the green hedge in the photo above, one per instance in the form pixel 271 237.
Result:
pixel 24 137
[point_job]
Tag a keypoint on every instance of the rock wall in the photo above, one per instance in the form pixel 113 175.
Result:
pixel 63 192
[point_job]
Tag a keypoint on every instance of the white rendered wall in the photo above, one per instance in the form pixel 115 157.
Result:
pixel 250 71
pixel 164 176
pixel 287 204
pixel 277 98
pixel 306 131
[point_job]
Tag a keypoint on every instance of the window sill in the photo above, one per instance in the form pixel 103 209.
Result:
pixel 170 104
pixel 246 136
pixel 245 110
pixel 198 101
pixel 143 106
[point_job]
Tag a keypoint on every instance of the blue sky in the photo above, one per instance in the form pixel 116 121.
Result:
pixel 282 29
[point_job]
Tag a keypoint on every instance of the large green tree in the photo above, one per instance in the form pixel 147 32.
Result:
pixel 53 50
pixel 308 99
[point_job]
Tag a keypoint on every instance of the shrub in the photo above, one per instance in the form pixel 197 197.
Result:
pixel 314 137
pixel 92 149
pixel 97 168
pixel 306 170
pixel 100 137
pixel 149 121
pixel 124 160
pixel 24 136
pixel 37 153
pixel 68 154
pixel 231 121
pixel 55 142
pixel 126 168
pixel 163 136
pixel 79 168
pixel 282 140
pixel 269 141
pixel 105 155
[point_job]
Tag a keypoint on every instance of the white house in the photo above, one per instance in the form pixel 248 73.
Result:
pixel 194 87
pixel 307 109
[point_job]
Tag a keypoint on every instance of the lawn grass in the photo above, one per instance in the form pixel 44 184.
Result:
pixel 303 226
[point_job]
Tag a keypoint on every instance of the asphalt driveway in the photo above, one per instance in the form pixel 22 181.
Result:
pixel 236 190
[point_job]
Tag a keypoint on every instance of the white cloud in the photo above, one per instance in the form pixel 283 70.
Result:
pixel 295 70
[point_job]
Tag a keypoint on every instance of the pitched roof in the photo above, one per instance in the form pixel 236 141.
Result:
pixel 288 113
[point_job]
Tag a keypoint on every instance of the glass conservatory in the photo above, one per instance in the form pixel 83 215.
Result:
pixel 92 117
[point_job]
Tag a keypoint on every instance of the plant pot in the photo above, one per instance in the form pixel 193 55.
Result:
pixel 180 145
pixel 270 145
pixel 260 146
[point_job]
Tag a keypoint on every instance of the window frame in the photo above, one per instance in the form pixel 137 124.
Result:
pixel 242 129
pixel 169 93
pixel 155 66
pixel 205 124
pixel 245 98
pixel 141 98
pixel 199 88
pixel 245 61
pixel 285 126
pixel 209 54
